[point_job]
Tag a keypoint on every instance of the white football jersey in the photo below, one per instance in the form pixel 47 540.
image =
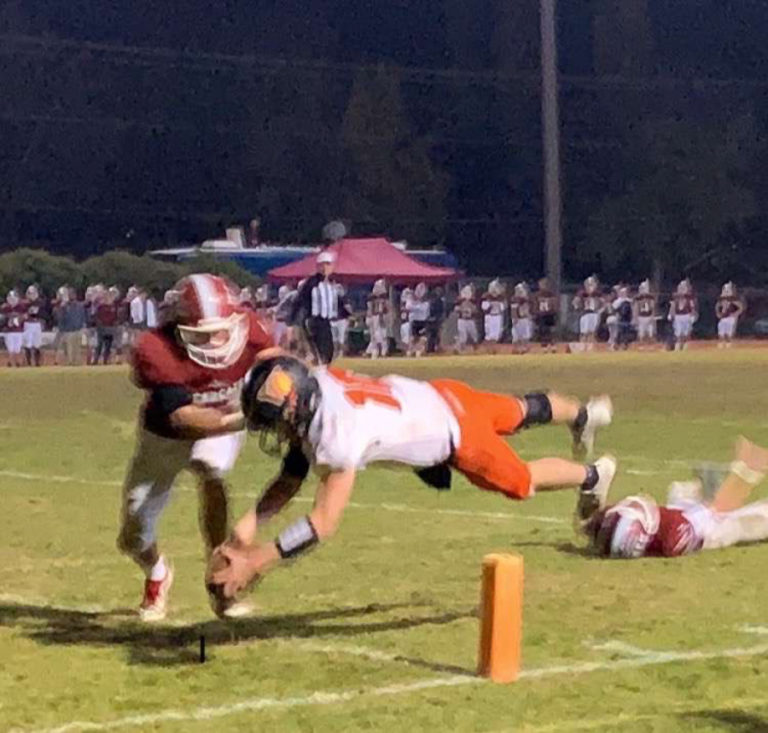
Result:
pixel 361 420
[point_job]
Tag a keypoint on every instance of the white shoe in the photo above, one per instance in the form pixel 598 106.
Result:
pixel 599 414
pixel 154 605
pixel 683 492
pixel 230 608
pixel 594 499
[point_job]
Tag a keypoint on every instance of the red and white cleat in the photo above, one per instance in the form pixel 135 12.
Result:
pixel 154 605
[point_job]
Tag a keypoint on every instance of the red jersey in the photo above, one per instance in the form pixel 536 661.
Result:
pixel 520 308
pixel 676 535
pixel 589 302
pixel 646 305
pixel 159 360
pixel 106 315
pixel 13 317
pixel 546 303
pixel 728 306
pixel 493 305
pixel 33 310
pixel 683 305
pixel 378 305
pixel 466 309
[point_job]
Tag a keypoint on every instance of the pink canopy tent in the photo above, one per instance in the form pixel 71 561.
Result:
pixel 366 260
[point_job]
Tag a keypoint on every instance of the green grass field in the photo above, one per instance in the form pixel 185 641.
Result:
pixel 378 630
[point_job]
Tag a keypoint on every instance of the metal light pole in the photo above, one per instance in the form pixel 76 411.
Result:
pixel 550 116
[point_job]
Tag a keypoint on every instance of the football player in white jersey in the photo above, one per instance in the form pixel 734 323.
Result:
pixel 339 423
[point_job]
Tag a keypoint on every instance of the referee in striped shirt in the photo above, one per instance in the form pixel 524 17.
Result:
pixel 317 304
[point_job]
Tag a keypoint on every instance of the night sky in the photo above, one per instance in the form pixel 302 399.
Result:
pixel 172 119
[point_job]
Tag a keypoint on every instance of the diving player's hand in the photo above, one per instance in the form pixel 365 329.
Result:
pixel 232 569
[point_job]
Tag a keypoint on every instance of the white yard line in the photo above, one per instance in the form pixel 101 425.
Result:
pixel 58 479
pixel 758 630
pixel 343 696
pixel 621 648
pixel 402 508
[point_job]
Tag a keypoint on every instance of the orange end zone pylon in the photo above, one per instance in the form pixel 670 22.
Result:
pixel 501 617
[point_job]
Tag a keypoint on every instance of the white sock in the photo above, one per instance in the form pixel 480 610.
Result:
pixel 158 570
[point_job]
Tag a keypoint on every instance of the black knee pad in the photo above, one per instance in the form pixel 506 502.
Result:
pixel 538 409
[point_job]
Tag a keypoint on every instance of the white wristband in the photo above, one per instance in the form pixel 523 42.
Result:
pixel 745 473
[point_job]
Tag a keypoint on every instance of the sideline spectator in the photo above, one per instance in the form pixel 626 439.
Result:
pixel 418 315
pixel 645 314
pixel 436 318
pixel 150 310
pixel 728 309
pixel 494 306
pixel 282 313
pixel 377 320
pixel 589 303
pixel 62 295
pixel 33 326
pixel 545 305
pixel 136 312
pixel 466 325
pixel 12 313
pixel 622 307
pixel 340 325
pixel 683 313
pixel 106 327
pixel 72 323
pixel 406 297
pixel 520 311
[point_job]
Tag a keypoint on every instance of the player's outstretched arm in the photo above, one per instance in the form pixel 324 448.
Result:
pixel 276 496
pixel 233 568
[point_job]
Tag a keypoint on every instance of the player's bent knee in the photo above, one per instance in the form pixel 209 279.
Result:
pixel 538 409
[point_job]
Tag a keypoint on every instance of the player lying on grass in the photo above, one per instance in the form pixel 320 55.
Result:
pixel 638 527
pixel 339 422
pixel 192 370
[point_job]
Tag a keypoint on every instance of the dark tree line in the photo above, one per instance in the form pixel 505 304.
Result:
pixel 142 124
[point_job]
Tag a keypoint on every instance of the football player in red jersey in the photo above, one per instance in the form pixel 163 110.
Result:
pixel 12 313
pixel 192 369
pixel 683 313
pixel 638 527
pixel 33 325
pixel 728 309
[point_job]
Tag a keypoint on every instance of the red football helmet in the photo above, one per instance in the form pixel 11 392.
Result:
pixel 624 529
pixel 209 321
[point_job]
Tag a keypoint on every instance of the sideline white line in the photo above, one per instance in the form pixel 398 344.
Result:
pixel 337 698
pixel 403 508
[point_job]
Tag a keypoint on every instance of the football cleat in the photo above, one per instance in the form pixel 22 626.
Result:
pixel 599 414
pixel 154 605
pixel 229 608
pixel 594 499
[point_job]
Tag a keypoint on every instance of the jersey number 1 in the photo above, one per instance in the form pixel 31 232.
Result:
pixel 359 389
